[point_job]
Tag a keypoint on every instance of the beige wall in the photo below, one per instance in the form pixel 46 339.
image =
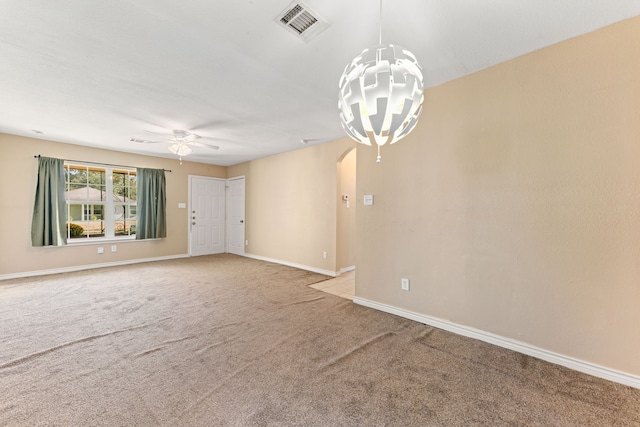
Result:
pixel 346 226
pixel 291 202
pixel 514 206
pixel 18 174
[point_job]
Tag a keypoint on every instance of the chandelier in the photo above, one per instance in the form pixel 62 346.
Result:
pixel 381 94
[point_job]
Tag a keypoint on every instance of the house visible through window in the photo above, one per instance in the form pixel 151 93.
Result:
pixel 101 201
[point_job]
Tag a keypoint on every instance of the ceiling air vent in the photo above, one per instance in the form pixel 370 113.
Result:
pixel 301 21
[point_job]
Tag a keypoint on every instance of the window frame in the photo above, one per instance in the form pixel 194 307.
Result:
pixel 108 204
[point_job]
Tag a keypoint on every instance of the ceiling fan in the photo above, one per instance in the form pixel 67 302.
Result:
pixel 181 141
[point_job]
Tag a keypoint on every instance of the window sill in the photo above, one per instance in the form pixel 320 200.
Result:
pixel 101 240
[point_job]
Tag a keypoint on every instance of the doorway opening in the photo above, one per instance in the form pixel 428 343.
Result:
pixel 346 213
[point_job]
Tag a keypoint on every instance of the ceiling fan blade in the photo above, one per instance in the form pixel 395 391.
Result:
pixel 145 141
pixel 164 135
pixel 200 144
pixel 184 135
pixel 191 137
pixel 315 140
pixel 217 123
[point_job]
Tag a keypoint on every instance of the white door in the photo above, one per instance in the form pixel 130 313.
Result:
pixel 206 215
pixel 235 216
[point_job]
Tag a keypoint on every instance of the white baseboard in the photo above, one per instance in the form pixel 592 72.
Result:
pixel 87 267
pixel 347 269
pixel 521 347
pixel 292 264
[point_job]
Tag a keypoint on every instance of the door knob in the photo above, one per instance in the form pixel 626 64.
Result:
pixel 193 223
pixel 242 221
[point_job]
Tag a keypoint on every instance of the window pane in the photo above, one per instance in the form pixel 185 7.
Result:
pixel 74 212
pixel 96 194
pixel 93 212
pixel 131 218
pixel 118 212
pixel 94 220
pixel 120 218
pixel 124 221
pixel 132 187
pixel 119 186
pixel 97 186
pixel 76 192
pixel 76 230
pixel 97 178
pixel 77 187
pixel 119 178
pixel 77 175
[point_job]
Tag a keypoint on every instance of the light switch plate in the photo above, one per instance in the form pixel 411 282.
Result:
pixel 368 200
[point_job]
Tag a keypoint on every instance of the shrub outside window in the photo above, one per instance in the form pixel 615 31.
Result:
pixel 101 201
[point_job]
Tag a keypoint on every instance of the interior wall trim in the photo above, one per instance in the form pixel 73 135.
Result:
pixel 87 267
pixel 521 347
pixel 293 264
pixel 347 269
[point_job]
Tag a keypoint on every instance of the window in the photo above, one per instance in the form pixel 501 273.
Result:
pixel 101 201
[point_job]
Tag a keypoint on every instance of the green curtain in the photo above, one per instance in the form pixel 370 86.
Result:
pixel 151 204
pixel 48 226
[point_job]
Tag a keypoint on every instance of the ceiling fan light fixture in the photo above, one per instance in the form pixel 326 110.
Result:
pixel 181 142
pixel 180 149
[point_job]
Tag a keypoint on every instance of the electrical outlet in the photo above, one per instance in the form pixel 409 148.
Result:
pixel 114 248
pixel 100 250
pixel 246 243
pixel 404 284
pixel 324 254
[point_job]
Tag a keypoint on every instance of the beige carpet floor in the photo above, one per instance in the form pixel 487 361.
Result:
pixel 224 340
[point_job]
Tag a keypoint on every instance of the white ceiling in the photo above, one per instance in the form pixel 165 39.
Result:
pixel 98 73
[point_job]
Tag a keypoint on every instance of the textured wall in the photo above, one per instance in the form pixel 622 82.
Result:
pixel 514 206
pixel 18 177
pixel 291 201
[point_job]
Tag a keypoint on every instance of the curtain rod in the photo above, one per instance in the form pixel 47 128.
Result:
pixel 37 156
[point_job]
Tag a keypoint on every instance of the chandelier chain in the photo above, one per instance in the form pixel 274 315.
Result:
pixel 380 25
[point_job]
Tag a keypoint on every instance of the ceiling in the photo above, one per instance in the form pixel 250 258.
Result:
pixel 99 73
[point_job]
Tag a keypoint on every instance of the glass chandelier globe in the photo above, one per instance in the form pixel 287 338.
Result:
pixel 381 95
